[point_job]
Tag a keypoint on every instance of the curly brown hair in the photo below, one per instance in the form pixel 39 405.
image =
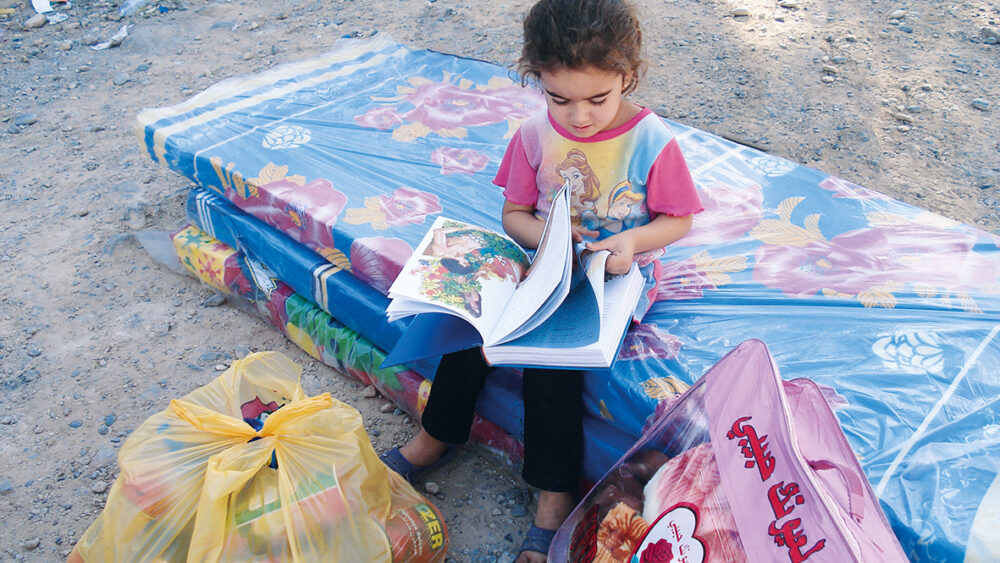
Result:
pixel 574 34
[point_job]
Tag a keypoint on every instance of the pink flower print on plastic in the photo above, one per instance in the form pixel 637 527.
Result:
pixel 845 189
pixel 382 118
pixel 847 264
pixel 647 341
pixel 872 263
pixel 459 161
pixel 683 280
pixel 307 213
pixel 378 260
pixel 729 214
pixel 408 206
pixel 443 106
pixel 938 258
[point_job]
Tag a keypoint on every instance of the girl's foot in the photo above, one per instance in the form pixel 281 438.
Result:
pixel 553 509
pixel 423 450
pixel 420 455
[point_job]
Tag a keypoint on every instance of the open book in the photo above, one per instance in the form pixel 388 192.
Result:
pixel 470 286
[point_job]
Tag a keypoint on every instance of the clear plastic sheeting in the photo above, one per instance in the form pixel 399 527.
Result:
pixel 352 155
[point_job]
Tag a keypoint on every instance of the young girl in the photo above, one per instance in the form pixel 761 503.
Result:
pixel 585 56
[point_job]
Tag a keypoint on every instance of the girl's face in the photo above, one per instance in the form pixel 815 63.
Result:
pixel 586 101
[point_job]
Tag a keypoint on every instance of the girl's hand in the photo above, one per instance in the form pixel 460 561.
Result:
pixel 580 233
pixel 622 251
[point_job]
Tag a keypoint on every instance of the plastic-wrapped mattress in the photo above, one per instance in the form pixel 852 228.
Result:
pixel 328 171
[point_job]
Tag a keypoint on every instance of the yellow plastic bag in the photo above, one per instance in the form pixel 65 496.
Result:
pixel 198 483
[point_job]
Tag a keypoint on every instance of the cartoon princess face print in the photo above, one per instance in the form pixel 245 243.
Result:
pixel 585 187
pixel 624 207
pixel 575 177
pixel 623 202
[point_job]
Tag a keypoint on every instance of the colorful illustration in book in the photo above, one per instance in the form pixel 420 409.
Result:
pixel 460 257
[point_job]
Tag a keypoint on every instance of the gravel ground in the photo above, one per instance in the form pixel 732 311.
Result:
pixel 95 336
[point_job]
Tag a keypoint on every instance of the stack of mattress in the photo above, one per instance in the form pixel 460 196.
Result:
pixel 315 180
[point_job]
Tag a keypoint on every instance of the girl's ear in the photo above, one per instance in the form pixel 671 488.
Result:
pixel 628 82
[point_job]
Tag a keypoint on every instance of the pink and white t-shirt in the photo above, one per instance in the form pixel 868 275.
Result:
pixel 620 178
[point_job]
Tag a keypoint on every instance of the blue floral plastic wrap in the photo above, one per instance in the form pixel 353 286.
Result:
pixel 352 155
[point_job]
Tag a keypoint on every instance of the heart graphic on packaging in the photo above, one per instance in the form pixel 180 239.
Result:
pixel 671 538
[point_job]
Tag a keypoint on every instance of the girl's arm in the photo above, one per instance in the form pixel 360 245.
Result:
pixel 661 231
pixel 520 224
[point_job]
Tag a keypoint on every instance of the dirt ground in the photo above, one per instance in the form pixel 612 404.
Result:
pixel 96 336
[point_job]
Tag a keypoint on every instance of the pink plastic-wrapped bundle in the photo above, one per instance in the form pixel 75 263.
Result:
pixel 742 467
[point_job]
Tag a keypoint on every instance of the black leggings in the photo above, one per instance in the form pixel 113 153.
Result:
pixel 553 416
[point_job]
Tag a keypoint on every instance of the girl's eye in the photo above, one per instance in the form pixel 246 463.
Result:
pixel 599 102
pixel 559 102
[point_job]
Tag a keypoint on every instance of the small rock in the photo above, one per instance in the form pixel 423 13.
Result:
pixel 65 45
pixel 102 430
pixel 387 408
pixel 789 4
pixel 75 423
pixel 215 300
pixel 827 78
pixel 104 455
pixel 99 487
pixel 897 14
pixel 5 487
pixel 981 104
pixel 370 392
pixel 35 21
pixel 902 128
pixel 741 12
pixel 905 118
pixel 7 419
pixel 988 32
pixel 432 487
pixel 122 78
pixel 497 511
pixel 25 119
pixel 220 367
pixel 829 68
pixel 34 542
pixel 109 419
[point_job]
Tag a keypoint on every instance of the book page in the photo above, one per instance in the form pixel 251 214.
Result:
pixel 576 321
pixel 548 278
pixel 556 348
pixel 594 264
pixel 460 268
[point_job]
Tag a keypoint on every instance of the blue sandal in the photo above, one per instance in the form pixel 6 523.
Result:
pixel 395 461
pixel 537 539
